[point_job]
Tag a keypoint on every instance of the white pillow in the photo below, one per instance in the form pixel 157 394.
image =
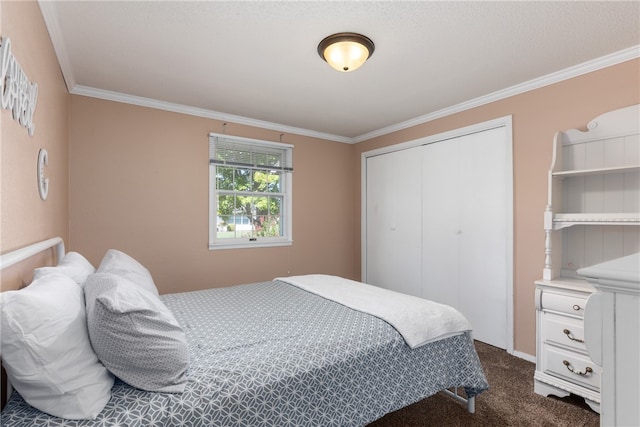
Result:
pixel 46 350
pixel 72 264
pixel 135 335
pixel 123 265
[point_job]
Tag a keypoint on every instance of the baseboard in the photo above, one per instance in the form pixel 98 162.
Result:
pixel 525 356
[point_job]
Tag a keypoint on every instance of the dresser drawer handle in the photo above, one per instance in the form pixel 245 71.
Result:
pixel 586 372
pixel 576 307
pixel 568 334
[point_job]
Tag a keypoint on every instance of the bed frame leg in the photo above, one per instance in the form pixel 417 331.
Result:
pixel 470 402
pixel 471 405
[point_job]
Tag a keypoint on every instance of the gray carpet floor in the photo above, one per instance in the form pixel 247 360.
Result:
pixel 510 401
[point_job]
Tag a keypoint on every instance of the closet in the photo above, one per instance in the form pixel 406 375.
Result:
pixel 437 223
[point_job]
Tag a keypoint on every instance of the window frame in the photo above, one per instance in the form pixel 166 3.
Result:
pixel 286 191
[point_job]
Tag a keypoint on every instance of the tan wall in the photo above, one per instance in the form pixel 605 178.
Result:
pixel 140 180
pixel 537 115
pixel 139 183
pixel 25 218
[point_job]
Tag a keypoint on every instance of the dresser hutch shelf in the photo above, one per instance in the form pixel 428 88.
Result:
pixel 592 216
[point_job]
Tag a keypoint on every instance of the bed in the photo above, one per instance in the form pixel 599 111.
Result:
pixel 276 354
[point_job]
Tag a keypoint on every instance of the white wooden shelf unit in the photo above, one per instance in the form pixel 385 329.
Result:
pixel 592 216
pixel 594 180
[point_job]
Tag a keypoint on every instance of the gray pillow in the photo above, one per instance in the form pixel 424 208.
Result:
pixel 119 263
pixel 135 335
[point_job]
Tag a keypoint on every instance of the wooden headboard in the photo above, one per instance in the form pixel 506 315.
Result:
pixel 12 258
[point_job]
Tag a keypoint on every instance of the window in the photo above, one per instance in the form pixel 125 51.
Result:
pixel 249 192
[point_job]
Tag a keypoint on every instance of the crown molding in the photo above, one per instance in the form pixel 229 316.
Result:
pixel 48 12
pixel 568 73
pixel 201 112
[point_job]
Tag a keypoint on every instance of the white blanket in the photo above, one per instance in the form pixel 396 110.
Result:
pixel 418 320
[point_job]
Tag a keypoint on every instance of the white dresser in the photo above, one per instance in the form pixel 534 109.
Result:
pixel 563 365
pixel 592 216
pixel 612 327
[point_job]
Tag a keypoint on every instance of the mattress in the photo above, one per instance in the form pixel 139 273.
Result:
pixel 271 354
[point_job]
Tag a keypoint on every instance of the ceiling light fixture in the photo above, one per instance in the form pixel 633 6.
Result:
pixel 346 51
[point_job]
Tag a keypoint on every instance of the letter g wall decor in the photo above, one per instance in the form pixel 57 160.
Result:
pixel 18 94
pixel 43 183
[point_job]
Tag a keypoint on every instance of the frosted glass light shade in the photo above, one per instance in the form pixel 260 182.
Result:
pixel 346 51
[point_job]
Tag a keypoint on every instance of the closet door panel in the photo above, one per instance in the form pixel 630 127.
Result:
pixel 394 221
pixel 440 218
pixel 483 234
pixel 465 251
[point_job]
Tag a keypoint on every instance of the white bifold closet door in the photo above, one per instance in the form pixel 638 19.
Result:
pixel 464 236
pixel 436 226
pixel 394 221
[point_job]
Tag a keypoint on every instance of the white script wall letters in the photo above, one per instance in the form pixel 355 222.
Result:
pixel 17 93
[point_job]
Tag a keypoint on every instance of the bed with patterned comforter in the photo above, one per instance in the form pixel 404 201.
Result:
pixel 271 354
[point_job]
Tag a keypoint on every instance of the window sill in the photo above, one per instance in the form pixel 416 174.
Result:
pixel 218 246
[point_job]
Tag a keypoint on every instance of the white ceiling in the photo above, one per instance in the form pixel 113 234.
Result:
pixel 256 62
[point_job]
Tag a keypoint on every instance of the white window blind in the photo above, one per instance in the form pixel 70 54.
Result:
pixel 230 151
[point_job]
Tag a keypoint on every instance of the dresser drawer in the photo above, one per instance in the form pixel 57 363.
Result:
pixel 569 304
pixel 573 367
pixel 563 330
